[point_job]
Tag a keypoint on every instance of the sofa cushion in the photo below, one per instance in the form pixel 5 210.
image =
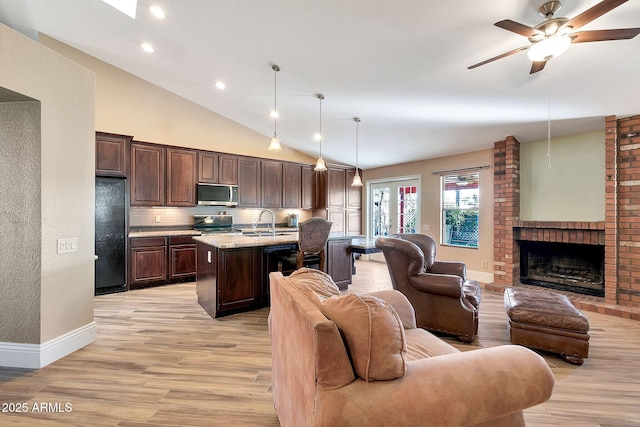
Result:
pixel 373 332
pixel 314 284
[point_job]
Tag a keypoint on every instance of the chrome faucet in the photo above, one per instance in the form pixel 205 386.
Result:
pixel 273 220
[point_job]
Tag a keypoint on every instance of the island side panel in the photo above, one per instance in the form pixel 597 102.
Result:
pixel 206 281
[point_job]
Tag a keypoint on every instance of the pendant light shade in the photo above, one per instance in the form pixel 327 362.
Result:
pixel 275 142
pixel 357 181
pixel 320 165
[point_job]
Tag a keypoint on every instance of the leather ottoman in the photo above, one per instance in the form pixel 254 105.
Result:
pixel 546 320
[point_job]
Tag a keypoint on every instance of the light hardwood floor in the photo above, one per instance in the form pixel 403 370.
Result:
pixel 160 360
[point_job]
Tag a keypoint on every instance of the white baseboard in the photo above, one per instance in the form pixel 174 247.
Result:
pixel 36 356
pixel 480 276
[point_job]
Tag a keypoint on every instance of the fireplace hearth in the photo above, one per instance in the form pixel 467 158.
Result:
pixel 567 267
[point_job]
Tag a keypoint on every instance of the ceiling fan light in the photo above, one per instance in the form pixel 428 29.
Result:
pixel 548 48
pixel 275 144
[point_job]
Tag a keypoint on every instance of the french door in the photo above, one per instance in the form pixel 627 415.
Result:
pixel 393 208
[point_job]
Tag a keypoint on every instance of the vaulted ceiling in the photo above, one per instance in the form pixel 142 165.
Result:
pixel 400 66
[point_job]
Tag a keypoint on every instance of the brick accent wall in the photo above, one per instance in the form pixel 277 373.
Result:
pixel 506 211
pixel 628 195
pixel 619 232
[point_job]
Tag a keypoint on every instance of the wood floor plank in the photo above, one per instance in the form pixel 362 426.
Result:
pixel 161 361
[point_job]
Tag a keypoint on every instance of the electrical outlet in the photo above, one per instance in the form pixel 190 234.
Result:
pixel 67 245
pixel 158 218
pixel 485 263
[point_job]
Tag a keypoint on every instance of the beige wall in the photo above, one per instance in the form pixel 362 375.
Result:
pixel 572 189
pixel 128 105
pixel 430 202
pixel 65 91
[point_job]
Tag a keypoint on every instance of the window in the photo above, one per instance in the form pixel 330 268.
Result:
pixel 460 196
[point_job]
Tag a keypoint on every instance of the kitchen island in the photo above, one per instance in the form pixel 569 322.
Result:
pixel 233 270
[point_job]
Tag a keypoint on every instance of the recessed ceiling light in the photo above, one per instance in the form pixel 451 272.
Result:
pixel 147 47
pixel 220 85
pixel 157 12
pixel 317 137
pixel 127 7
pixel 274 114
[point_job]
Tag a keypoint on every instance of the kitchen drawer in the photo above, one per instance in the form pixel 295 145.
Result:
pixel 141 242
pixel 182 240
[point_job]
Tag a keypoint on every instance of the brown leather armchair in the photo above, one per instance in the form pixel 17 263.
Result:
pixel 443 299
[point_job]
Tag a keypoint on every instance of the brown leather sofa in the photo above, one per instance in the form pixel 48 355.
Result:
pixel 444 300
pixel 340 359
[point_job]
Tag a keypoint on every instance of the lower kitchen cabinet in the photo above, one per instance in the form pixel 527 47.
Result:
pixel 161 260
pixel 238 279
pixel 148 260
pixel 338 260
pixel 182 258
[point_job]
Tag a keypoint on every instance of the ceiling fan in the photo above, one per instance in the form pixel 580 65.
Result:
pixel 553 36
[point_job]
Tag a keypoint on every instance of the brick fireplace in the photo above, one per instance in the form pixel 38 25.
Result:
pixel 619 233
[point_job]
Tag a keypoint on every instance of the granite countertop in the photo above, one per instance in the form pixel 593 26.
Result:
pixel 245 241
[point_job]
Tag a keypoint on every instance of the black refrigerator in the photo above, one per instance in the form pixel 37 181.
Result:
pixel 111 235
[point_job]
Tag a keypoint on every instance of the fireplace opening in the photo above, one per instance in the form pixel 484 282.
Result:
pixel 563 266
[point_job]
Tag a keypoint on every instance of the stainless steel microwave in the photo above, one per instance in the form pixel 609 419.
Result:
pixel 217 194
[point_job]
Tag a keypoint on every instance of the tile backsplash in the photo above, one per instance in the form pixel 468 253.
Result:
pixel 142 216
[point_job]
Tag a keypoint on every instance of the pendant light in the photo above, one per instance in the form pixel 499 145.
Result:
pixel 357 181
pixel 275 142
pixel 320 165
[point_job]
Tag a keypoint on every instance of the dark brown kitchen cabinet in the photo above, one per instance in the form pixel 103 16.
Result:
pixel 338 256
pixel 308 187
pixel 227 169
pixel 208 167
pixel 249 182
pixel 112 154
pixel 336 188
pixel 161 260
pixel 147 175
pixel 182 258
pixel 238 279
pixel 271 179
pixel 353 219
pixel 181 177
pixel 148 260
pixel 291 186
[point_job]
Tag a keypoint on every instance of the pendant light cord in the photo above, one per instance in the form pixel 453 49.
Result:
pixel 549 122
pixel 320 97
pixel 275 99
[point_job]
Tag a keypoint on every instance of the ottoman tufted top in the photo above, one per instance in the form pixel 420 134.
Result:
pixel 543 308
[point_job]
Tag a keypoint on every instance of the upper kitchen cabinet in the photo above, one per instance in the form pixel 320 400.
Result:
pixel 291 185
pixel 271 193
pixel 249 182
pixel 331 188
pixel 147 175
pixel 308 187
pixel 162 176
pixel 227 169
pixel 208 167
pixel 112 154
pixel 181 177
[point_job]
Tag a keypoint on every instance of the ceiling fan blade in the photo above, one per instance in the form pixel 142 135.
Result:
pixel 590 14
pixel 537 66
pixel 603 35
pixel 504 55
pixel 517 28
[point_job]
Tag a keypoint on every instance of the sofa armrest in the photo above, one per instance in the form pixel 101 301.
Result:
pixel 458 389
pixel 438 284
pixel 449 267
pixel 400 304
